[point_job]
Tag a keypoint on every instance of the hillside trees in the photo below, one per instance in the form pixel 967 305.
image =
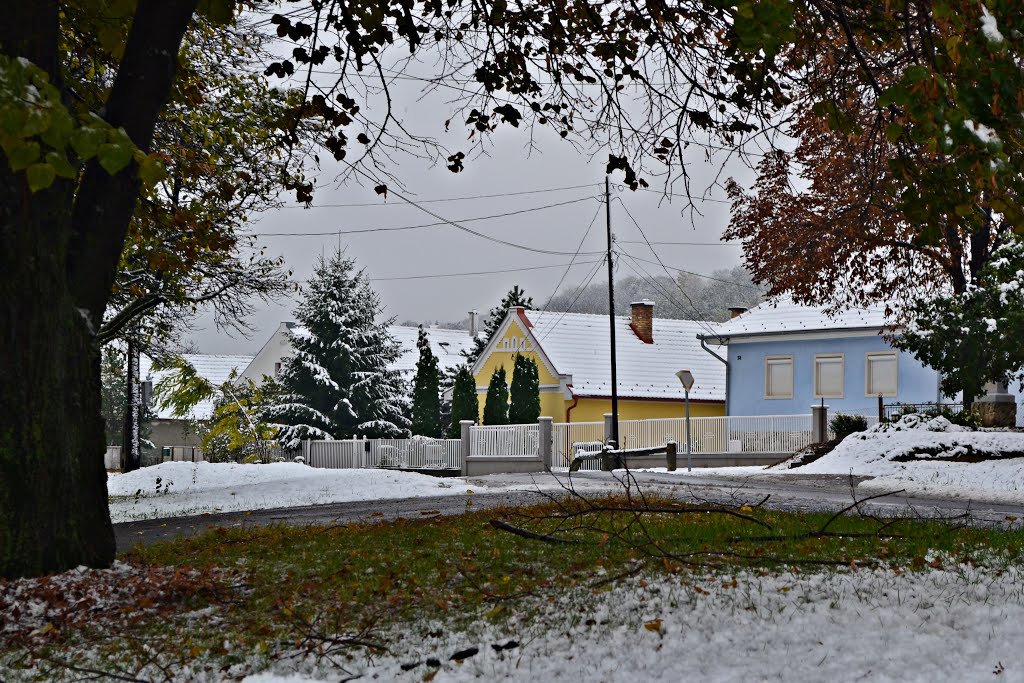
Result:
pixel 338 382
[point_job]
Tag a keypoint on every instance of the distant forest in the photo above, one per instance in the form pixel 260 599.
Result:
pixel 686 296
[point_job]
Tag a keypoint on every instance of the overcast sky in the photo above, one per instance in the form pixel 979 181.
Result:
pixel 507 168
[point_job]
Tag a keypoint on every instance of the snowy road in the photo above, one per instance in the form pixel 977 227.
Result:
pixel 797 493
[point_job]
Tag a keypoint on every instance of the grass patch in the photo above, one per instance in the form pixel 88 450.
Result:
pixel 329 589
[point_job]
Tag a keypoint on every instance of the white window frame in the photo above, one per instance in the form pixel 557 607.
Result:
pixel 867 373
pixel 831 357
pixel 768 362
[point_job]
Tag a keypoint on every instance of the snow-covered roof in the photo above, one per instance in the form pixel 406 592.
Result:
pixel 447 345
pixel 577 345
pixel 214 369
pixel 785 317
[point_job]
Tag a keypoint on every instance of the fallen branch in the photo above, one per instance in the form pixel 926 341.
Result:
pixel 525 533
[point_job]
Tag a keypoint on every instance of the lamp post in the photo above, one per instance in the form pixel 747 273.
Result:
pixel 686 377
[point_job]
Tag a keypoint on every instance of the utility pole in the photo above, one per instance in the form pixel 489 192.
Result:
pixel 611 312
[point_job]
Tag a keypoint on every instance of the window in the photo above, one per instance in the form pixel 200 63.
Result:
pixel 828 376
pixel 881 374
pixel 277 370
pixel 778 377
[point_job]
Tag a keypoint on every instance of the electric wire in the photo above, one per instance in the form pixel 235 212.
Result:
pixel 578 293
pixel 446 199
pixel 482 272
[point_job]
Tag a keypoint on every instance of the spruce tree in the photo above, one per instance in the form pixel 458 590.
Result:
pixel 338 382
pixel 515 297
pixel 464 401
pixel 496 403
pixel 426 392
pixel 524 392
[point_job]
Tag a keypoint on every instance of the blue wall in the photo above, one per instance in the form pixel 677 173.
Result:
pixel 915 382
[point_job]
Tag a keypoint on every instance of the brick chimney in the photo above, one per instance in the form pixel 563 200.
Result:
pixel 736 311
pixel 641 320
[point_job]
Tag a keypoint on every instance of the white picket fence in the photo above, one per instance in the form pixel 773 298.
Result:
pixel 504 440
pixel 730 434
pixel 416 453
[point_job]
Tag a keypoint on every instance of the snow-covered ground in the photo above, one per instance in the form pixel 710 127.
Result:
pixel 923 457
pixel 958 623
pixel 183 488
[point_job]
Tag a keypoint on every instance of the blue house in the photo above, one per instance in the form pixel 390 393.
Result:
pixel 783 357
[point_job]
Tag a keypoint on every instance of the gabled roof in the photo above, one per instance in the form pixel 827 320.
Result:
pixel 785 317
pixel 577 345
pixel 447 345
pixel 214 369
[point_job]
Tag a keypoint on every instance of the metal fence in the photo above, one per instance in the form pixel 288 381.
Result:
pixel 504 440
pixel 569 438
pixel 415 453
pixel 892 411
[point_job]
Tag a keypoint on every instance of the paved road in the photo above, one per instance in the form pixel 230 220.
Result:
pixel 795 493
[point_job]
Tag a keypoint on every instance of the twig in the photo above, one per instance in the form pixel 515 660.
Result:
pixel 518 531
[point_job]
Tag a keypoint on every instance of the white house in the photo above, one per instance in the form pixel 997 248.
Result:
pixel 447 345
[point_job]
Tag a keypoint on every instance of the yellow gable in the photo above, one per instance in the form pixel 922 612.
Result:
pixel 515 340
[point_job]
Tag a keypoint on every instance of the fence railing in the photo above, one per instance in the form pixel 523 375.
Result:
pixel 504 440
pixel 569 438
pixel 891 410
pixel 416 453
pixel 730 434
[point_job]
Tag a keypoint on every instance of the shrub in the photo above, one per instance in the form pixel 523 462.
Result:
pixel 842 425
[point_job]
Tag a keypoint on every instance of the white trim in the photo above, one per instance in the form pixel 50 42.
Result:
pixel 842 369
pixel 492 344
pixel 756 337
pixel 767 362
pixel 867 373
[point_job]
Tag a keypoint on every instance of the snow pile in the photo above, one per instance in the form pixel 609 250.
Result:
pixel 183 488
pixel 931 456
pixel 964 623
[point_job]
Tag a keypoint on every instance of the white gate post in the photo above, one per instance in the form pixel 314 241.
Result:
pixel 544 433
pixel 465 426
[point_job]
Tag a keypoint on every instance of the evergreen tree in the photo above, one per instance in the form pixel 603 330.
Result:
pixel 426 397
pixel 515 297
pixel 338 383
pixel 496 403
pixel 524 392
pixel 464 401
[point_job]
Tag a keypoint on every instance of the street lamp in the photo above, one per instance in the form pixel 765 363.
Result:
pixel 686 377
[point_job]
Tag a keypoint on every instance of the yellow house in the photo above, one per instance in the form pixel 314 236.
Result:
pixel 572 355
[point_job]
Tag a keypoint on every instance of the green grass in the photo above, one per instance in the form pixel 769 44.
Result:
pixel 300 587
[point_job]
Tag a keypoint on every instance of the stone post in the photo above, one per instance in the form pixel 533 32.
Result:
pixel 670 455
pixel 544 434
pixel 465 426
pixel 609 431
pixel 998 407
pixel 819 423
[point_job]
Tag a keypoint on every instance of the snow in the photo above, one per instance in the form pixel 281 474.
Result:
pixel 981 131
pixel 783 316
pixel 183 488
pixel 576 344
pixel 955 622
pixel 989 26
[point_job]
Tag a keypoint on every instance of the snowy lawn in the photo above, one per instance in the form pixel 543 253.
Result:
pixel 183 488
pixel 627 594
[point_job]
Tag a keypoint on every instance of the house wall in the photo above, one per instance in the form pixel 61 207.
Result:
pixel 274 351
pixel 746 392
pixel 594 409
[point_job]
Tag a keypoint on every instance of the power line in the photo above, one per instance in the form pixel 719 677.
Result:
pixel 579 292
pixel 583 239
pixel 482 272
pixel 456 224
pixel 355 231
pixel 687 244
pixel 650 279
pixel 447 199
pixel 689 272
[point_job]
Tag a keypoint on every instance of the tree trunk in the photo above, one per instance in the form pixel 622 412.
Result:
pixel 53 493
pixel 59 256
